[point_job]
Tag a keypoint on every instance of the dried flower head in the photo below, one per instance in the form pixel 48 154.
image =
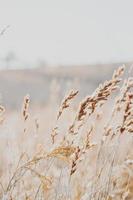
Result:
pixel 66 102
pixel 25 108
pixel 98 98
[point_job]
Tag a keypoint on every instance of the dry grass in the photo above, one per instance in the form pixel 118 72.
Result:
pixel 90 156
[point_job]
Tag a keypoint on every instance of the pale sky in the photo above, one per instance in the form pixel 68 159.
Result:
pixel 68 31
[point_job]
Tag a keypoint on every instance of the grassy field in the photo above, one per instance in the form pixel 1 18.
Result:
pixel 80 149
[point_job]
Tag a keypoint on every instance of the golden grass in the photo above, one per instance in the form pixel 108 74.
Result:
pixel 90 156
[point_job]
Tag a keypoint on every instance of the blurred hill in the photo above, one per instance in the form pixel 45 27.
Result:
pixel 41 82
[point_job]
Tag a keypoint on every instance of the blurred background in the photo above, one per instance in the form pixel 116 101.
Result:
pixel 50 46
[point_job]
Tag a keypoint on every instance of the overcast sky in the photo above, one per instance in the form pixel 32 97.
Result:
pixel 68 31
